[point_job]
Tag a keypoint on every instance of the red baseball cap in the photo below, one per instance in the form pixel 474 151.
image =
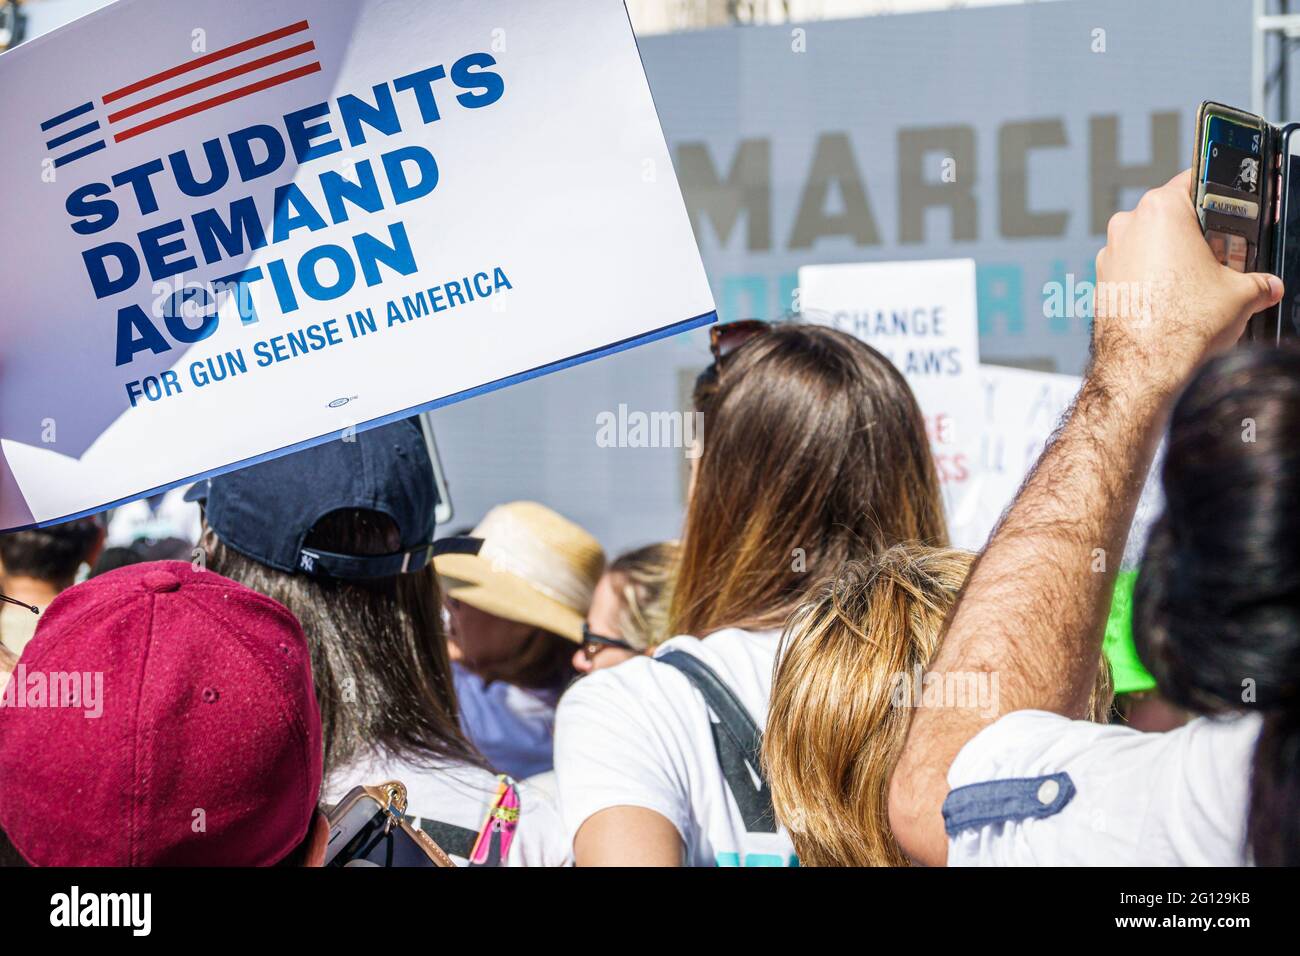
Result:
pixel 206 749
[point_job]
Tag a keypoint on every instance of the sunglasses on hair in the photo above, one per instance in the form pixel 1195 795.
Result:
pixel 729 336
pixel 8 600
pixel 593 643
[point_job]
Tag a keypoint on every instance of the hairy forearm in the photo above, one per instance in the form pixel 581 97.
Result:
pixel 1033 611
pixel 1033 608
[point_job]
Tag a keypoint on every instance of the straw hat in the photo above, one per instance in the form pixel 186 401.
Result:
pixel 534 567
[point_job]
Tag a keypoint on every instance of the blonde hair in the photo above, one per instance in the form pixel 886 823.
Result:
pixel 837 724
pixel 644 583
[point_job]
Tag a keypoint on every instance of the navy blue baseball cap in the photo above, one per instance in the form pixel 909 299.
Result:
pixel 266 511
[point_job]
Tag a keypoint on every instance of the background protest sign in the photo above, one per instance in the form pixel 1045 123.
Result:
pixel 234 228
pixel 1022 407
pixel 921 315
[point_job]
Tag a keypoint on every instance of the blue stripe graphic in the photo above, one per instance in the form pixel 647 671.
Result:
pixel 49 124
pixel 84 151
pixel 69 137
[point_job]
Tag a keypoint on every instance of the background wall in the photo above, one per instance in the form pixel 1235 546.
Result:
pixel 855 130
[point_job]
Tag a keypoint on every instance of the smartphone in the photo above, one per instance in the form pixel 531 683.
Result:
pixel 1286 232
pixel 1233 175
pixel 367 829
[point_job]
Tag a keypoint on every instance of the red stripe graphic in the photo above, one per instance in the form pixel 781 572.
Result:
pixel 211 81
pixel 205 60
pixel 217 101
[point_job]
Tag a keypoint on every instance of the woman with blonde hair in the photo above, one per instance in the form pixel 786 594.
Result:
pixel 629 609
pixel 815 454
pixel 848 676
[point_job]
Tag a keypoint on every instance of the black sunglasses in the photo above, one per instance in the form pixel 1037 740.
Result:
pixel 726 337
pixel 593 643
pixel 9 600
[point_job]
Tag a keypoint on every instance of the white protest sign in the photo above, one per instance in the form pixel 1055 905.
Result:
pixel 1022 408
pixel 922 317
pixel 232 228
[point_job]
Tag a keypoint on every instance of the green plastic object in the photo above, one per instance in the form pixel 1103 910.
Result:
pixel 1126 669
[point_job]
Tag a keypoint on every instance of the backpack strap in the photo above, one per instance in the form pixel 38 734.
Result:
pixel 737 740
pixel 489 846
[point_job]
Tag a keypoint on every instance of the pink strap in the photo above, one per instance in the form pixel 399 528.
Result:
pixel 492 847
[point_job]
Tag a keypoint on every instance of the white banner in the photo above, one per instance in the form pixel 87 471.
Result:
pixel 234 228
pixel 1022 408
pixel 921 316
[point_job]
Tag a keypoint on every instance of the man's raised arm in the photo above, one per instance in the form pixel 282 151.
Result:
pixel 1034 608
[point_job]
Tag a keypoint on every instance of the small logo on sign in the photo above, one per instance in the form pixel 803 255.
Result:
pixel 340 402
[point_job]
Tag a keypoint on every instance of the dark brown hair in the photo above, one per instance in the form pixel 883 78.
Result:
pixel 1216 610
pixel 52 554
pixel 10 858
pixel 544 662
pixel 378 652
pixel 814 453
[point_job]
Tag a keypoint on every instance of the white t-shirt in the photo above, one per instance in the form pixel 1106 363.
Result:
pixel 513 727
pixel 461 795
pixel 639 735
pixel 1174 799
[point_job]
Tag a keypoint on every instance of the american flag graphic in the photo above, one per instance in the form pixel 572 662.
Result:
pixel 259 63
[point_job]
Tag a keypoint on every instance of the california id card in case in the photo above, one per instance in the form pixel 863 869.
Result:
pixel 1233 188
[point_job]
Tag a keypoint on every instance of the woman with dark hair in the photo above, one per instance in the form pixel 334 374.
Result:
pixel 1217 605
pixel 815 453
pixel 350 555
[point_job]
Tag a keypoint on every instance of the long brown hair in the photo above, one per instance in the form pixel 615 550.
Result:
pixel 814 453
pixel 843 695
pixel 378 653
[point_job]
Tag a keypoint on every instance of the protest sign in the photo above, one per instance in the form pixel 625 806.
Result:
pixel 234 228
pixel 921 316
pixel 1022 408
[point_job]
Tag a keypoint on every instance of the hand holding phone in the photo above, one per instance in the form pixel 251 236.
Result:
pixel 1235 190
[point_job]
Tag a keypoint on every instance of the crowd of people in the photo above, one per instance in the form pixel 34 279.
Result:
pixel 806 673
